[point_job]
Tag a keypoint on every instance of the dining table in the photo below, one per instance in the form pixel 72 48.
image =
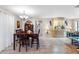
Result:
pixel 20 33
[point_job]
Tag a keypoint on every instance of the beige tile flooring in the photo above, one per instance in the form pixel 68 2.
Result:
pixel 47 46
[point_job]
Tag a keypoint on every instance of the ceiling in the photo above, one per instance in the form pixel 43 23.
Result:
pixel 43 10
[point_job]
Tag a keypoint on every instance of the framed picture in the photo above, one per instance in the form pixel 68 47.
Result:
pixel 18 24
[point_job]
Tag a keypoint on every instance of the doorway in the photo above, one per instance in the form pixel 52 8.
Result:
pixel 57 27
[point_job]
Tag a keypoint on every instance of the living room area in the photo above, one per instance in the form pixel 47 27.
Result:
pixel 55 28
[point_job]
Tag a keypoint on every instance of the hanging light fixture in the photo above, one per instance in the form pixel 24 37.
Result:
pixel 24 16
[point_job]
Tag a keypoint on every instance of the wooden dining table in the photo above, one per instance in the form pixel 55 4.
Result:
pixel 20 33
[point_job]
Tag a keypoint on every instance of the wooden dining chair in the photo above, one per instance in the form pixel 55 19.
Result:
pixel 23 41
pixel 35 39
pixel 17 37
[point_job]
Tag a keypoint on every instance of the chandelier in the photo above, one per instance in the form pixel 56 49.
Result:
pixel 24 16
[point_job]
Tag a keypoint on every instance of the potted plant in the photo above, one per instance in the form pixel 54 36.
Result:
pixel 62 27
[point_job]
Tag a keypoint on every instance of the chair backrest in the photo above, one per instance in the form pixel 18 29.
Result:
pixel 38 32
pixel 19 30
pixel 36 35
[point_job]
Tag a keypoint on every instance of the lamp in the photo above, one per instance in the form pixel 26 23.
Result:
pixel 23 16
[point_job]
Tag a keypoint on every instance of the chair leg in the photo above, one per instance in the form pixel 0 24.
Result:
pixel 19 47
pixel 37 46
pixel 26 45
pixel 28 42
pixel 16 43
pixel 37 43
pixel 22 44
pixel 32 43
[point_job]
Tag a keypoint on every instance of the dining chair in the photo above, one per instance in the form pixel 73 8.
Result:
pixel 18 37
pixel 35 39
pixel 23 41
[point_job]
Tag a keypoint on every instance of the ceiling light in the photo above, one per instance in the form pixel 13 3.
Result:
pixel 24 16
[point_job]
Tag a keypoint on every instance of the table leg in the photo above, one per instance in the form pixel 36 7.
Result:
pixel 14 42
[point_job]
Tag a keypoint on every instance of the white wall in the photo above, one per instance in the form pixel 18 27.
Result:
pixel 6 29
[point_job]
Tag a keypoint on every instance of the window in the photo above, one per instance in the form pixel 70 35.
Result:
pixel 76 25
